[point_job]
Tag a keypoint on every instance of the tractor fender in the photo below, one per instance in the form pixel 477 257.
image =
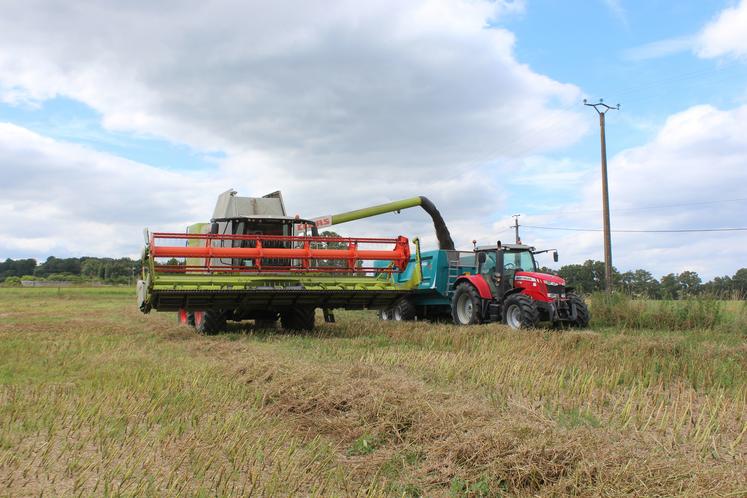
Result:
pixel 479 283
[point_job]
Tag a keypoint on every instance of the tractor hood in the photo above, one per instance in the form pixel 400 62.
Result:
pixel 541 276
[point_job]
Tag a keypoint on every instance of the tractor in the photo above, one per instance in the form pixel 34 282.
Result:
pixel 488 284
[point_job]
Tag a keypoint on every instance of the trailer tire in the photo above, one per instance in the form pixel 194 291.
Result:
pixel 298 318
pixel 466 305
pixel 582 311
pixel 209 322
pixel 520 312
pixel 403 311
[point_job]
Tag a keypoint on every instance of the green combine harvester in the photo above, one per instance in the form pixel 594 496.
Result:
pixel 253 262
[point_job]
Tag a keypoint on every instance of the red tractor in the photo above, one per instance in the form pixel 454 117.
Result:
pixel 507 287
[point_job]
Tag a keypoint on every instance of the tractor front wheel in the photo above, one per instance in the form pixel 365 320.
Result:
pixel 466 305
pixel 582 311
pixel 520 312
pixel 209 322
pixel 298 318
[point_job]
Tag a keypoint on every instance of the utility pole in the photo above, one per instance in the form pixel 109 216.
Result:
pixel 602 109
pixel 516 228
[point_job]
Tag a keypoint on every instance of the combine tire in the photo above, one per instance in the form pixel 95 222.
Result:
pixel 403 311
pixel 385 314
pixel 466 305
pixel 265 323
pixel 183 317
pixel 298 318
pixel 582 312
pixel 520 312
pixel 209 322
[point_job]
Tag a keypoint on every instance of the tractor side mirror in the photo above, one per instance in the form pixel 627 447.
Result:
pixel 481 257
pixel 555 256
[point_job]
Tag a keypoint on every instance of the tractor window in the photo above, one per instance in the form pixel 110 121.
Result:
pixel 514 260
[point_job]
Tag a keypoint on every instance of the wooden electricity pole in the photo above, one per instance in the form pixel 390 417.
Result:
pixel 602 109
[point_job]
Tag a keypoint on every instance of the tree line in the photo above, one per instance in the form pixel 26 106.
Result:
pixel 108 270
pixel 589 277
pixel 586 278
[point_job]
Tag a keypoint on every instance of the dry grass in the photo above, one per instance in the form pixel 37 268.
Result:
pixel 98 399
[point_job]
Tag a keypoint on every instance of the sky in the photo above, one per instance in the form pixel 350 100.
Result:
pixel 119 116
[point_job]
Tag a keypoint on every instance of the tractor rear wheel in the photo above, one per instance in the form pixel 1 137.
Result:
pixel 298 318
pixel 209 322
pixel 520 312
pixel 582 311
pixel 466 305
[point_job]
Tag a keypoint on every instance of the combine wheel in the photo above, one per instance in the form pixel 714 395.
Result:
pixel 520 312
pixel 385 314
pixel 265 323
pixel 403 311
pixel 582 311
pixel 298 318
pixel 209 322
pixel 465 305
pixel 183 317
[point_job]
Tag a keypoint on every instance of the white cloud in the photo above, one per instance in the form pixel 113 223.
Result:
pixel 726 34
pixel 340 106
pixel 64 199
pixel 660 48
pixel 700 154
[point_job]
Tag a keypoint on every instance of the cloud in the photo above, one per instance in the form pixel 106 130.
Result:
pixel 698 155
pixel 660 48
pixel 617 10
pixel 339 106
pixel 726 35
pixel 64 199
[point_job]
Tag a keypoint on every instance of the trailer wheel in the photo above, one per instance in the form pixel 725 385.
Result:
pixel 582 311
pixel 209 322
pixel 298 318
pixel 403 311
pixel 520 312
pixel 466 305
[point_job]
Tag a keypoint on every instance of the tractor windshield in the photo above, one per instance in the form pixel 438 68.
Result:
pixel 515 260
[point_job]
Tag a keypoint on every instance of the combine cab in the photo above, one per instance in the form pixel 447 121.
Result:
pixel 248 263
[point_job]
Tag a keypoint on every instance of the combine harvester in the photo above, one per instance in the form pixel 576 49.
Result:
pixel 253 262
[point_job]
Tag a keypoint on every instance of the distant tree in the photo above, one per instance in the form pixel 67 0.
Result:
pixel 670 286
pixel 16 268
pixel 740 282
pixel 689 283
pixel 588 277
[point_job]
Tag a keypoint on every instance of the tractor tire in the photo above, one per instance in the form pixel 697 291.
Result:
pixel 298 318
pixel 209 322
pixel 403 311
pixel 466 305
pixel 582 312
pixel 183 317
pixel 385 315
pixel 520 312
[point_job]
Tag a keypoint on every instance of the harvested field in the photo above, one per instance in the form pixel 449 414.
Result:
pixel 97 398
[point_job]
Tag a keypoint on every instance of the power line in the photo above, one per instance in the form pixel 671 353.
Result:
pixel 682 230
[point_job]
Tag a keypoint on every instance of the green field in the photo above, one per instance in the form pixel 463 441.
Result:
pixel 98 399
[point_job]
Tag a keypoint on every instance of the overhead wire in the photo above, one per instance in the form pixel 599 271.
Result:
pixel 677 230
